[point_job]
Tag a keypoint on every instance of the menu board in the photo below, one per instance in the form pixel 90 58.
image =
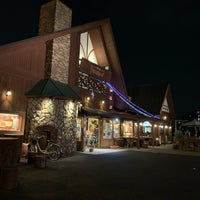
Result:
pixel 10 122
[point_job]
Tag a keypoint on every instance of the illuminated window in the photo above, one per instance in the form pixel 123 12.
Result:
pixel 86 48
pixel 116 126
pixel 107 129
pixel 127 128
pixel 10 122
pixel 146 127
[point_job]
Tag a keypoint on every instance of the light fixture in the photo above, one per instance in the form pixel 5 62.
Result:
pixel 8 93
pixel 165 117
pixel 92 94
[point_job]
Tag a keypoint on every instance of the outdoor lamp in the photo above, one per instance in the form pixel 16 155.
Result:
pixel 8 93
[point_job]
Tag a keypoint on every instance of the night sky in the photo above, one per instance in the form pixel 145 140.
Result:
pixel 156 40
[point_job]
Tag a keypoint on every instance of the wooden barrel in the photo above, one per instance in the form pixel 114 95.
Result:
pixel 8 151
pixel 8 178
pixel 19 142
pixel 8 162
pixel 40 161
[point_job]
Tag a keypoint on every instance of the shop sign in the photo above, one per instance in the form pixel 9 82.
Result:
pixel 94 70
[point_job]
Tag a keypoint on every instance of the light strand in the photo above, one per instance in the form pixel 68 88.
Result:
pixel 131 104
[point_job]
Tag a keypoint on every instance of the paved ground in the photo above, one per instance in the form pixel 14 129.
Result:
pixel 124 174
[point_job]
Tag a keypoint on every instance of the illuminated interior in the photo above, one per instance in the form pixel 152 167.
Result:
pixel 127 128
pixel 10 122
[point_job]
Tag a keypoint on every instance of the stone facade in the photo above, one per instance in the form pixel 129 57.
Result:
pixel 56 116
pixel 52 117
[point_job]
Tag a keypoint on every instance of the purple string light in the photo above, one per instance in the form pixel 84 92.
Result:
pixel 131 104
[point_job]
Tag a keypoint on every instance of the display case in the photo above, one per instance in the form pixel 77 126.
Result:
pixel 11 123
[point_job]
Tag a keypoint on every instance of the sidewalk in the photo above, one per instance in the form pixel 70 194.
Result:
pixel 166 149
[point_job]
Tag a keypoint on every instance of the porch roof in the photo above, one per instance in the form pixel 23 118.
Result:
pixel 52 88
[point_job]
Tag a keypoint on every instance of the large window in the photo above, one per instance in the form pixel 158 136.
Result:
pixel 111 128
pixel 127 128
pixel 78 132
pixel 146 127
pixel 116 131
pixel 107 129
pixel 10 122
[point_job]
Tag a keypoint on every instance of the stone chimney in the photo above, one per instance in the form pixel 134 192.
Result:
pixel 56 16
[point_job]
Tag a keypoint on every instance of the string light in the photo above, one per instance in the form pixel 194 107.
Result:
pixel 131 104
pixel 127 101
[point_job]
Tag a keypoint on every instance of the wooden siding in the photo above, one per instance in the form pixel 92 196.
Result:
pixel 20 68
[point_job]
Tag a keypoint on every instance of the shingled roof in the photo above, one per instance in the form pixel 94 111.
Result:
pixel 149 96
pixel 52 88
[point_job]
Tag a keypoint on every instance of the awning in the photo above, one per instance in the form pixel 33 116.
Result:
pixel 52 88
pixel 192 123
pixel 102 113
pixel 96 112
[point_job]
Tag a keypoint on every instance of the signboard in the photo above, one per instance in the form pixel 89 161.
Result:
pixel 165 107
pixel 94 70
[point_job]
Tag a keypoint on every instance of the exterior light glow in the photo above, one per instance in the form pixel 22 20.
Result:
pixel 164 117
pixel 132 105
pixel 8 93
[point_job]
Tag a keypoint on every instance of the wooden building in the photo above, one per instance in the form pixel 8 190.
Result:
pixel 85 59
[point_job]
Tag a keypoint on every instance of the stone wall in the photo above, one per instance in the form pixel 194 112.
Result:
pixel 55 115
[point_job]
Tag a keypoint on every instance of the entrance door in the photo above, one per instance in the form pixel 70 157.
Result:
pixel 92 131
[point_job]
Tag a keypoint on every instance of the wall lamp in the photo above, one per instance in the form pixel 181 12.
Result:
pixel 8 93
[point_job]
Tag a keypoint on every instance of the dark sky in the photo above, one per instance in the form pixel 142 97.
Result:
pixel 157 40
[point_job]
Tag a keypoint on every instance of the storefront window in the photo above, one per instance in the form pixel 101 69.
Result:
pixel 92 131
pixel 107 129
pixel 116 130
pixel 78 132
pixel 161 129
pixel 128 128
pixel 166 130
pixel 146 127
pixel 10 122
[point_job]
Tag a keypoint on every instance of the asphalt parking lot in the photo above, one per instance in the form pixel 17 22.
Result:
pixel 113 175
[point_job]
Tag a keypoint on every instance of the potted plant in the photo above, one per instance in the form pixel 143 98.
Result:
pixel 177 137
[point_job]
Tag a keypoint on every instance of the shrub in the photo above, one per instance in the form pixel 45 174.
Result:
pixel 178 134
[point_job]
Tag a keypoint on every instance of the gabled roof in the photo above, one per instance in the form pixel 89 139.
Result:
pixel 150 97
pixel 51 88
pixel 104 45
